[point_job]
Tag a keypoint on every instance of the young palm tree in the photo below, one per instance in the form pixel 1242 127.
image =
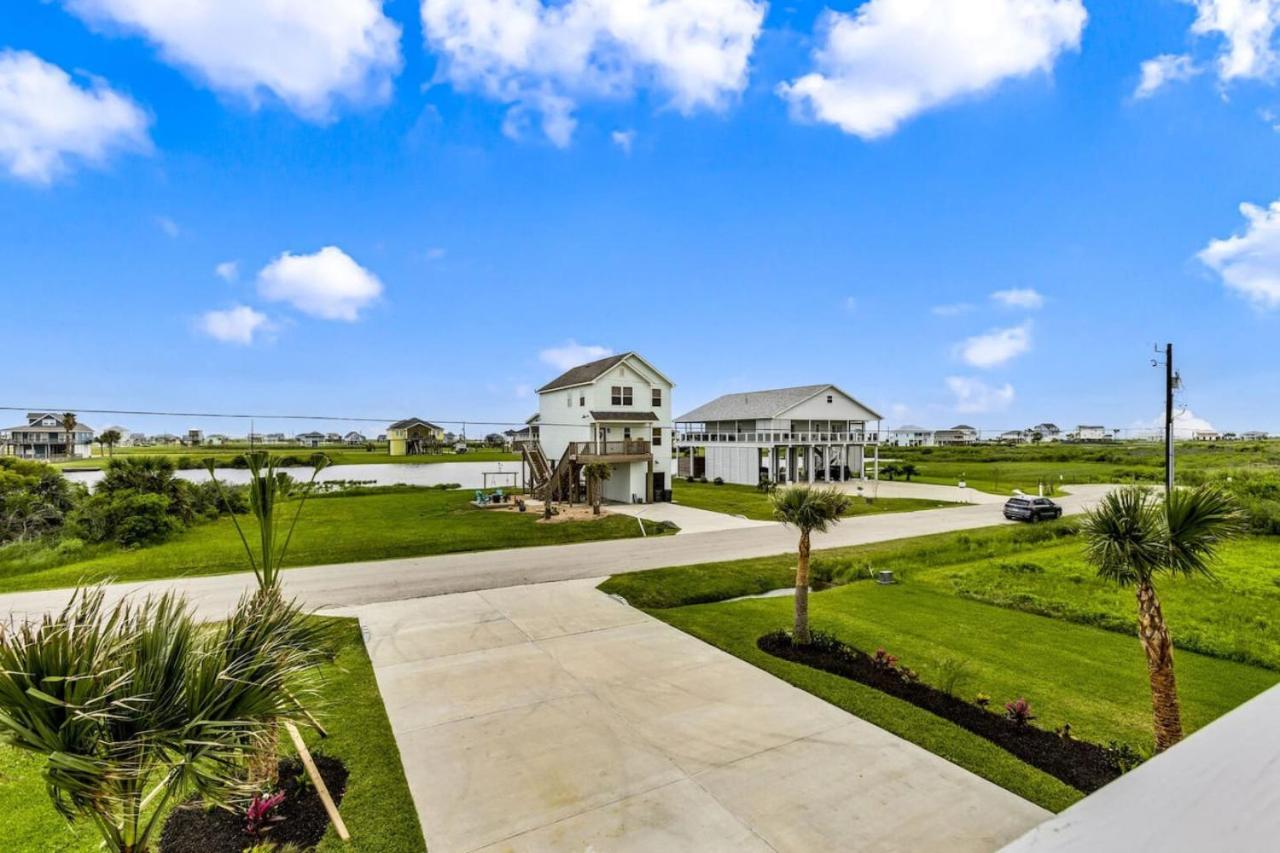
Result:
pixel 135 706
pixel 267 488
pixel 1133 536
pixel 69 423
pixel 597 473
pixel 110 438
pixel 807 509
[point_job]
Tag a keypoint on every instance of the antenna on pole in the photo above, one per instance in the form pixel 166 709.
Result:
pixel 1172 381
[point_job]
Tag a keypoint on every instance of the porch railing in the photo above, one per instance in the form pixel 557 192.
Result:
pixel 779 437
pixel 625 447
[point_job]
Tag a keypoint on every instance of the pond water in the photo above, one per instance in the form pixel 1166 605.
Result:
pixel 469 475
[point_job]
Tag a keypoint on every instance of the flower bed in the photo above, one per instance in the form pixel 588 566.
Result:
pixel 298 819
pixel 1083 765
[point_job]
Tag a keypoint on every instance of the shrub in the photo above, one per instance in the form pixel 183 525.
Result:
pixel 1021 568
pixel 260 814
pixel 125 517
pixel 719 481
pixel 953 673
pixel 884 661
pixel 982 700
pixel 1122 757
pixel 69 547
pixel 1019 712
pixel 691 479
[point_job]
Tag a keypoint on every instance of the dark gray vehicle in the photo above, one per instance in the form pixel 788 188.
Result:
pixel 1031 509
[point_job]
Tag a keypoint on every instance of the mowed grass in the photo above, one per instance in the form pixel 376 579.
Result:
pixel 377 808
pixel 1095 679
pixel 377 525
pixel 1235 615
pixel 747 501
pixel 1092 679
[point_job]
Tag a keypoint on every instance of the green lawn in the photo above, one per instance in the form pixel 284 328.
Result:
pixel 378 525
pixel 377 808
pixel 1093 678
pixel 752 503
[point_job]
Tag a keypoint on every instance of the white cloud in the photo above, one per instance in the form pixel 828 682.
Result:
pixel 307 53
pixel 1166 68
pixel 47 120
pixel 543 59
pixel 228 270
pixel 168 226
pixel 236 325
pixel 1247 27
pixel 623 139
pixel 974 395
pixel 1249 263
pixel 850 305
pixel 328 284
pixel 571 354
pixel 891 60
pixel 1019 297
pixel 955 309
pixel 996 346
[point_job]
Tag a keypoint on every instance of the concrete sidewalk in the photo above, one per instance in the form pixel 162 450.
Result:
pixel 346 584
pixel 552 717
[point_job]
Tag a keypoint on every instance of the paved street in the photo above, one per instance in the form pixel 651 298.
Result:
pixel 347 584
pixel 552 717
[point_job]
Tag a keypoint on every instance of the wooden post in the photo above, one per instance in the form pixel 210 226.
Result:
pixel 321 789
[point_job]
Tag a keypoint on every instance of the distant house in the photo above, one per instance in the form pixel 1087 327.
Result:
pixel 43 437
pixel 909 435
pixel 958 435
pixel 310 439
pixel 194 438
pixel 137 439
pixel 804 433
pixel 333 437
pixel 1013 436
pixel 1254 435
pixel 412 436
pixel 216 439
pixel 1086 432
pixel 165 438
pixel 1206 435
pixel 1046 431
pixel 354 438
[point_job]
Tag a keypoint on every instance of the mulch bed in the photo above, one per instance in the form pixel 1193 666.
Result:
pixel 193 828
pixel 1083 765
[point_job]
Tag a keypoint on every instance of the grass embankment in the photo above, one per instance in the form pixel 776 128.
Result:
pixel 1001 468
pixel 374 524
pixel 1092 678
pixel 734 499
pixel 193 457
pixel 377 808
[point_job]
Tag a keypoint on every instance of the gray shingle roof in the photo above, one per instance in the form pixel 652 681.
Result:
pixel 583 373
pixel 624 416
pixel 408 422
pixel 753 405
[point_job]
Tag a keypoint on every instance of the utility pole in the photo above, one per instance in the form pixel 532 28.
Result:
pixel 1171 383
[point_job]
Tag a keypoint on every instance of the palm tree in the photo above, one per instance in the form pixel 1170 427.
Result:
pixel 135 706
pixel 890 470
pixel 597 473
pixel 807 509
pixel 909 471
pixel 69 423
pixel 1131 537
pixel 110 438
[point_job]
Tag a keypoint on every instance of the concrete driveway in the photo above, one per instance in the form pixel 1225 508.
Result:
pixel 552 717
pixel 689 519
pixel 389 580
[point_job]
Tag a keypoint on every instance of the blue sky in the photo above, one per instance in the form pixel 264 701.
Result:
pixel 198 215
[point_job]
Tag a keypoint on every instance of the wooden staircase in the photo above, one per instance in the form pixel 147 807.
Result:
pixel 548 483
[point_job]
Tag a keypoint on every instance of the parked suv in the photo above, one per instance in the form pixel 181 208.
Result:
pixel 1031 509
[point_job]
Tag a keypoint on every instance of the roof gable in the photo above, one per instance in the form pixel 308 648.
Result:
pixel 754 405
pixel 585 374
pixel 411 422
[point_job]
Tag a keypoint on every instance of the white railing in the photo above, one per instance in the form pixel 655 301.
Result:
pixel 779 437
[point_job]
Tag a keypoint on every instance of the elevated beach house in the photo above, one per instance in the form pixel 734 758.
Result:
pixel 616 410
pixel 804 434
pixel 43 437
pixel 412 436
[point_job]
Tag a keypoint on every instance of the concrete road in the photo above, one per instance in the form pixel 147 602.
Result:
pixel 346 584
pixel 551 717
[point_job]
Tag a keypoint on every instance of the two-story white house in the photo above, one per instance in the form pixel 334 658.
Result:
pixel 909 435
pixel 615 410
pixel 806 433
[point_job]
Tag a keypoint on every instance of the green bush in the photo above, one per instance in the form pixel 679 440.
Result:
pixel 125 517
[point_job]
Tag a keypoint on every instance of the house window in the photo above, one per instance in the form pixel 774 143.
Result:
pixel 657 437
pixel 568 399
pixel 626 433
pixel 657 398
pixel 828 398
pixel 582 400
pixel 620 395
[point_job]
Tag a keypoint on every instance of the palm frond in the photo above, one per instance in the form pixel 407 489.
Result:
pixel 809 508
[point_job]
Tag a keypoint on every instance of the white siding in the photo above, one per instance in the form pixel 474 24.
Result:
pixel 733 464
